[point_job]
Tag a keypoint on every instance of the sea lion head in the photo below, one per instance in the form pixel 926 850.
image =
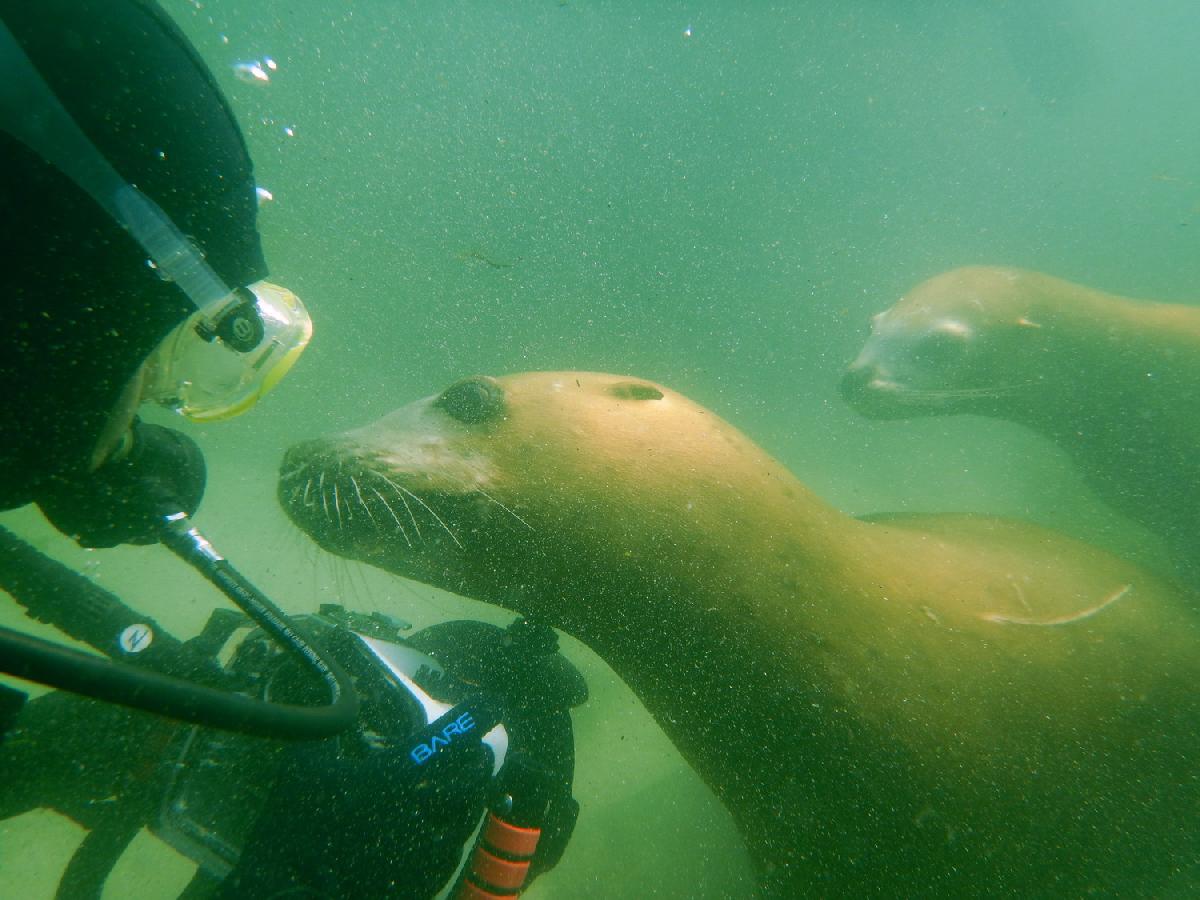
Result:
pixel 499 486
pixel 960 342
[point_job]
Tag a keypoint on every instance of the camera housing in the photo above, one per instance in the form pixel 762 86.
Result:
pixel 218 781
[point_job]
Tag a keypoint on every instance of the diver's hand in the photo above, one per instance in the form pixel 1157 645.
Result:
pixel 123 501
pixel 371 826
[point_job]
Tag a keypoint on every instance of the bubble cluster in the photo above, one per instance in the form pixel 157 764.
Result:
pixel 255 71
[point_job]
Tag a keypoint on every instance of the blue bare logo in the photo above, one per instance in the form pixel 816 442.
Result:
pixel 460 726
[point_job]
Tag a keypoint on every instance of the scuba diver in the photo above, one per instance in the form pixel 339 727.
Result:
pixel 330 754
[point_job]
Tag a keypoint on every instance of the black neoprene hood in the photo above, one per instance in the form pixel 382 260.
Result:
pixel 80 309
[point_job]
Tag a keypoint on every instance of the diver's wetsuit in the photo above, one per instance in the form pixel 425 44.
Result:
pixel 81 308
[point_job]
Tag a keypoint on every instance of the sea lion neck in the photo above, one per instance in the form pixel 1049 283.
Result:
pixel 1135 353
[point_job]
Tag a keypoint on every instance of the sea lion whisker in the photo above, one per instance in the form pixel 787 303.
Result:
pixel 505 508
pixel 307 488
pixel 324 499
pixel 428 508
pixel 996 390
pixel 292 473
pixel 407 508
pixel 388 507
pixel 337 505
pixel 363 502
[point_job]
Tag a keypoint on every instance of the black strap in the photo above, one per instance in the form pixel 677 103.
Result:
pixel 94 858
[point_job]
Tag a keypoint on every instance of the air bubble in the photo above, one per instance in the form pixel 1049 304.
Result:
pixel 251 72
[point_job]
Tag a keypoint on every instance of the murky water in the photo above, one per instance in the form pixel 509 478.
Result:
pixel 714 195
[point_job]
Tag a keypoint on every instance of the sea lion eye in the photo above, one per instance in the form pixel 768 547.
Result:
pixel 472 400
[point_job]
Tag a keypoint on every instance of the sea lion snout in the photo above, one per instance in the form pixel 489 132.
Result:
pixel 327 489
pixel 857 387
pixel 341 495
pixel 304 455
pixel 305 462
pixel 872 390
pixel 401 490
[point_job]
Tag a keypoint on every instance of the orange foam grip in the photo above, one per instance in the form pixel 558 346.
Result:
pixel 497 872
pixel 468 890
pixel 510 839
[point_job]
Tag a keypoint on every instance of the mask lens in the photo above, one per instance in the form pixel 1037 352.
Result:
pixel 220 361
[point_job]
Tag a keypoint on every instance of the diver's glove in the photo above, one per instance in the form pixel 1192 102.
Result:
pixel 371 825
pixel 123 501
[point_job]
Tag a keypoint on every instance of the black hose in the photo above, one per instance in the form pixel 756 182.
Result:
pixel 184 540
pixel 55 590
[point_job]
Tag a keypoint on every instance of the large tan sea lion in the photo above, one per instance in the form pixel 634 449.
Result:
pixel 1114 382
pixel 950 705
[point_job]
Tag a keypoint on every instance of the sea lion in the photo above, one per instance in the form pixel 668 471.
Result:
pixel 955 704
pixel 1115 382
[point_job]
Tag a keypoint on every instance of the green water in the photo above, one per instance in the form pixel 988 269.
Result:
pixel 714 195
pixel 720 211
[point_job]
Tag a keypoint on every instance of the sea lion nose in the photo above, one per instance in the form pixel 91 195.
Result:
pixel 305 456
pixel 307 485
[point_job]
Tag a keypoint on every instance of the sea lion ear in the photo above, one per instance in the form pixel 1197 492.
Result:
pixel 1026 322
pixel 635 390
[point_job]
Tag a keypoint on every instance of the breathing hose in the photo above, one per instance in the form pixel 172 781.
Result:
pixel 53 593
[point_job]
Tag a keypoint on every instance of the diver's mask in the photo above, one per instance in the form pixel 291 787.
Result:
pixel 224 357
pixel 238 343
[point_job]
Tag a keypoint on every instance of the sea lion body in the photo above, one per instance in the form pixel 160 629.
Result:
pixel 1114 382
pixel 951 703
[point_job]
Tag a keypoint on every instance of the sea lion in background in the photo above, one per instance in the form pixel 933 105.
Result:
pixel 1114 382
pixel 956 705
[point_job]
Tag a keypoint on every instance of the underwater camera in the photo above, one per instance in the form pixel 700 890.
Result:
pixel 217 782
